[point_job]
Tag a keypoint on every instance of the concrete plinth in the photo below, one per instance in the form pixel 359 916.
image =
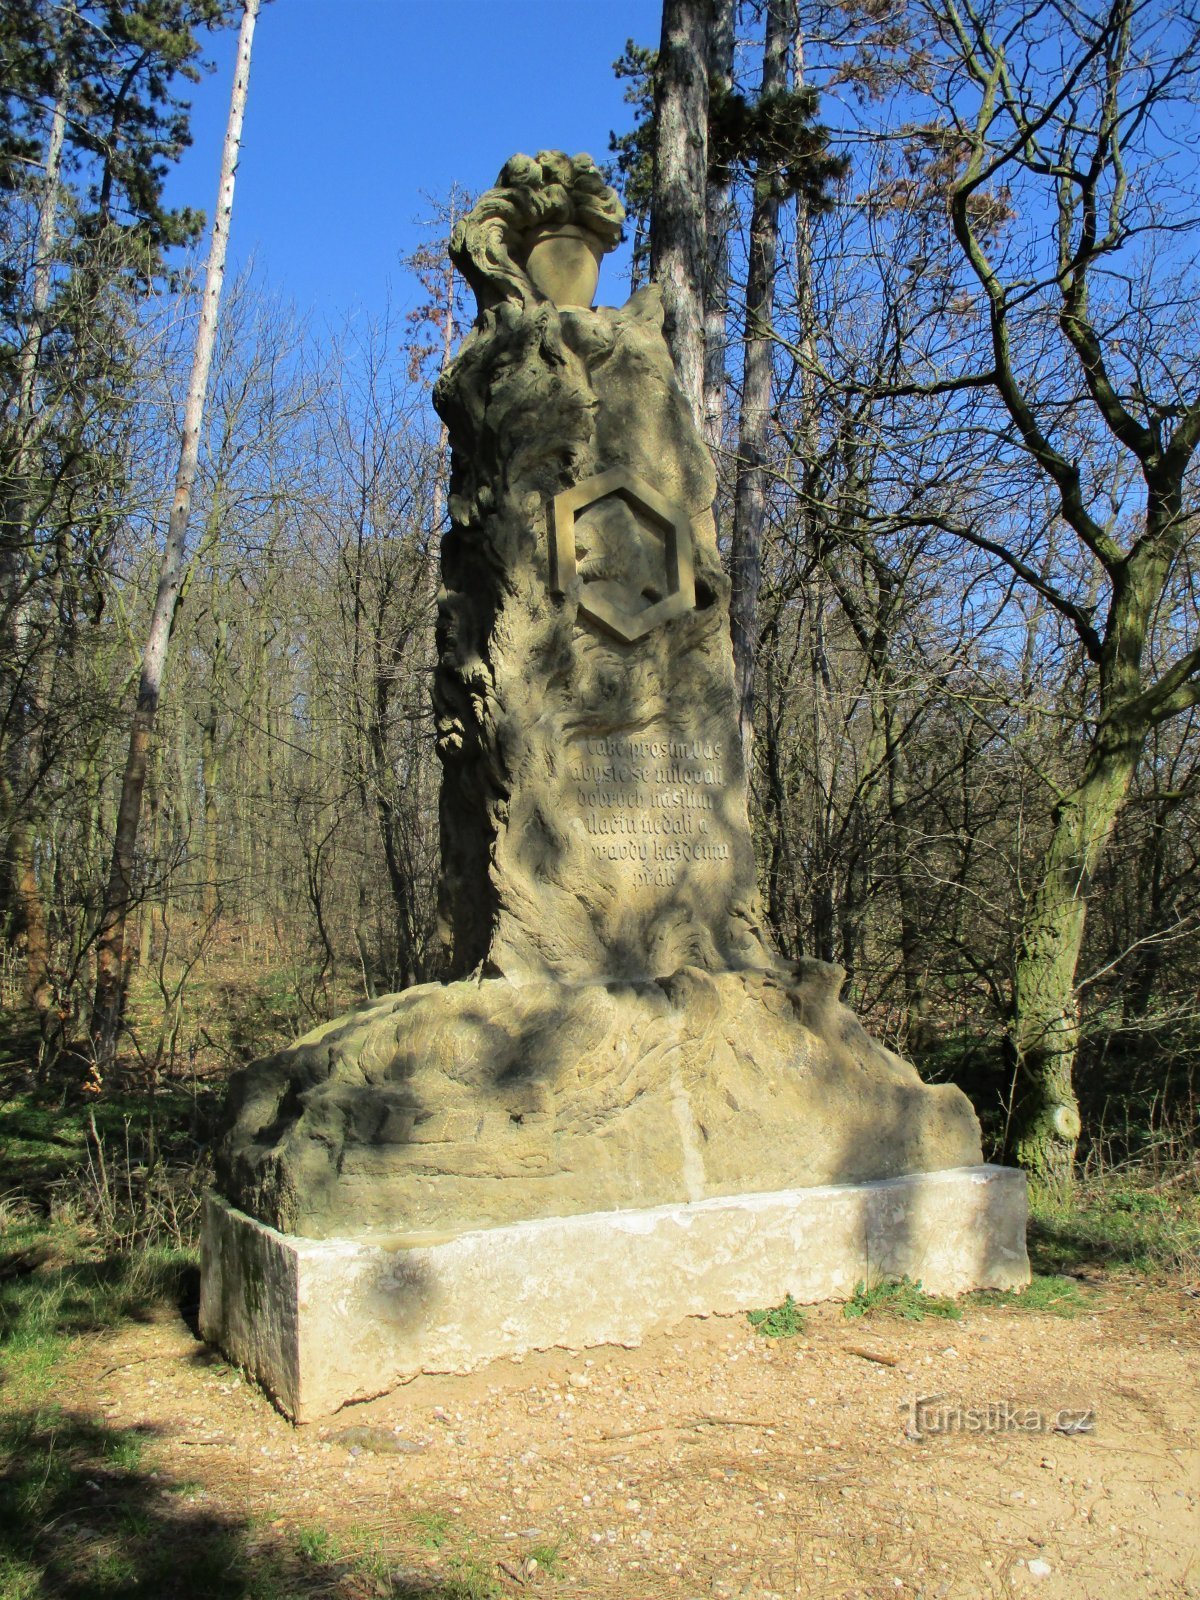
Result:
pixel 320 1322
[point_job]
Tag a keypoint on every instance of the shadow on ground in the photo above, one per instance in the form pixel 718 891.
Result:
pixel 1126 1228
pixel 87 1512
pixel 84 1515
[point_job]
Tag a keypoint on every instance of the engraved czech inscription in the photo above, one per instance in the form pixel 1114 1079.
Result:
pixel 648 802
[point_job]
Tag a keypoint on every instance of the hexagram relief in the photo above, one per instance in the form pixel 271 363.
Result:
pixel 594 816
pixel 624 553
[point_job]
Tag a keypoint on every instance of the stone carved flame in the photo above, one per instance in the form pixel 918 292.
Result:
pixel 624 551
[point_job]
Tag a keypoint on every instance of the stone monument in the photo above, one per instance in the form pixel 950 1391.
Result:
pixel 623 1107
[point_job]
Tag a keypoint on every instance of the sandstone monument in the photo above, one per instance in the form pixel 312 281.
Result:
pixel 624 1106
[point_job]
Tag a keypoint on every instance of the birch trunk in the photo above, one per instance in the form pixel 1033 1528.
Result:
pixel 111 965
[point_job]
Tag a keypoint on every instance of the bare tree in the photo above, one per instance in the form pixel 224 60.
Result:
pixel 111 964
pixel 1092 356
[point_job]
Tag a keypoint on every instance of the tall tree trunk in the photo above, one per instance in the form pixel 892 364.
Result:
pixel 21 871
pixel 678 248
pixel 720 219
pixel 154 805
pixel 211 750
pixel 822 900
pixel 1045 1123
pixel 111 966
pixel 750 493
pixel 31 422
pixel 210 782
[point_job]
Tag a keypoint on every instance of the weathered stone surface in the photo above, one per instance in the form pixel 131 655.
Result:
pixel 468 1104
pixel 320 1323
pixel 593 812
pixel 626 1108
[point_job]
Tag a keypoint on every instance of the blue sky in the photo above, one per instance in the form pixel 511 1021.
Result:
pixel 358 106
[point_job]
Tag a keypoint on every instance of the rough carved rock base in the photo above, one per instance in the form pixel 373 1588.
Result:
pixel 464 1105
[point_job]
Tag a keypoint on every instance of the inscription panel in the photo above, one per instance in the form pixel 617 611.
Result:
pixel 649 803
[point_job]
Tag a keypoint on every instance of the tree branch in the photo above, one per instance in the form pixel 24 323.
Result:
pixel 1178 690
pixel 1065 474
pixel 1076 615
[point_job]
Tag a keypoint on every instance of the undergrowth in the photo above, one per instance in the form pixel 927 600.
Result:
pixel 779 1322
pixel 1132 1222
pixel 82 1509
pixel 1047 1293
pixel 899 1298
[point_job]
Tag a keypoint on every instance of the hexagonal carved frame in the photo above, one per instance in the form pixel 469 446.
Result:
pixel 627 623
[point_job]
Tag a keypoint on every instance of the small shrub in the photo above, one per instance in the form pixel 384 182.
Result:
pixel 779 1322
pixel 899 1298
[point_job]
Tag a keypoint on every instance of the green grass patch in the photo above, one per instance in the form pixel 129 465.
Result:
pixel 184 1486
pixel 471 1578
pixel 369 1554
pixel 783 1321
pixel 125 1454
pixel 77 1291
pixel 1047 1292
pixel 317 1544
pixel 432 1529
pixel 549 1557
pixel 1148 1228
pixel 900 1299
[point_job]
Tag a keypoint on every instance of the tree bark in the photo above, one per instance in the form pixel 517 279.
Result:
pixel 719 223
pixel 30 912
pixel 31 419
pixel 111 963
pixel 678 248
pixel 1046 1123
pixel 750 493
pixel 31 423
pixel 211 750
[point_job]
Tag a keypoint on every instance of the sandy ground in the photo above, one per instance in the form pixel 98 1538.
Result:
pixel 713 1462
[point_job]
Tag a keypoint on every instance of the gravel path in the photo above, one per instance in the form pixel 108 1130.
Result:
pixel 711 1462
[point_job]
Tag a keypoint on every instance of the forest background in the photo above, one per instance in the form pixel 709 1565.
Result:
pixel 943 342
